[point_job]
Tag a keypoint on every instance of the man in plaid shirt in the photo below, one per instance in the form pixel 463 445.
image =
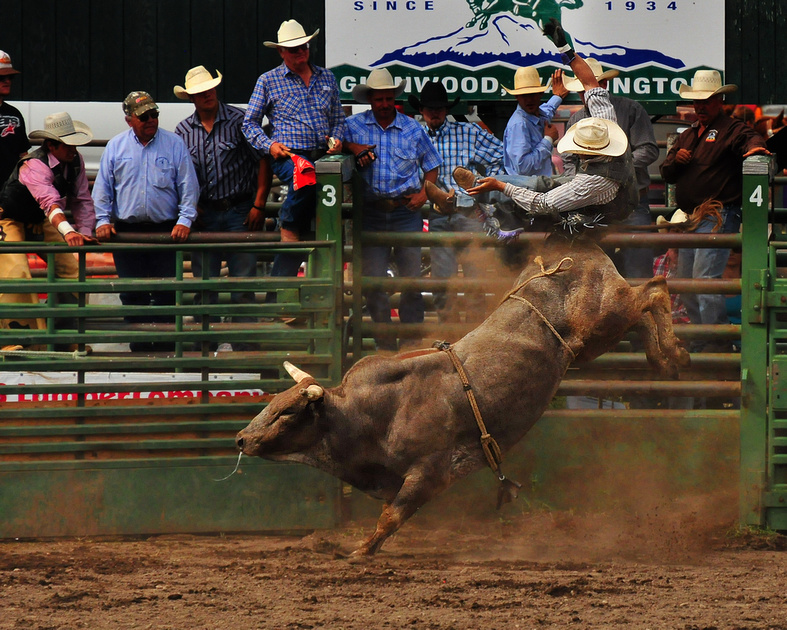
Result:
pixel 301 102
pixel 471 147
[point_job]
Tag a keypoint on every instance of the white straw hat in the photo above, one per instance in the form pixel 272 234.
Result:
pixel 526 81
pixel 594 136
pixel 379 79
pixel 572 84
pixel 706 83
pixel 678 219
pixel 197 80
pixel 291 34
pixel 60 128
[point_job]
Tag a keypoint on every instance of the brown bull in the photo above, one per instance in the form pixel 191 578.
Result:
pixel 401 428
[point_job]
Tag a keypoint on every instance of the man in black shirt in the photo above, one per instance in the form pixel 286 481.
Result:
pixel 13 135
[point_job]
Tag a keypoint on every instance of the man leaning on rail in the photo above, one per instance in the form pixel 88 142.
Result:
pixel 44 184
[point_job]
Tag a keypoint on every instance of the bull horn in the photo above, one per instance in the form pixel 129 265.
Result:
pixel 314 392
pixel 296 373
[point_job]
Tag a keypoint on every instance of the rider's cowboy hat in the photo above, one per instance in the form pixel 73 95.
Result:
pixel 594 136
pixel 526 81
pixel 706 83
pixel 5 64
pixel 433 96
pixel 60 128
pixel 572 84
pixel 291 34
pixel 198 80
pixel 379 79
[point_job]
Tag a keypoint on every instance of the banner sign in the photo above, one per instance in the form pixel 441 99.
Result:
pixel 162 385
pixel 474 46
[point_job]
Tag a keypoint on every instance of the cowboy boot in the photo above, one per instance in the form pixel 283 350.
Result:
pixel 464 177
pixel 443 202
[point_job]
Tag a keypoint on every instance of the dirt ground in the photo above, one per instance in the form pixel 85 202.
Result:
pixel 540 570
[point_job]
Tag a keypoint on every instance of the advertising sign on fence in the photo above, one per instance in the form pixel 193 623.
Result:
pixel 474 46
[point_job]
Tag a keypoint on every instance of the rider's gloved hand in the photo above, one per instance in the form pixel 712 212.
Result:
pixel 554 31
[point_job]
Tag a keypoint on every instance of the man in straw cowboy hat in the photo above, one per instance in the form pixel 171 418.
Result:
pixel 395 158
pixel 604 188
pixel 301 102
pixel 459 144
pixel 44 184
pixel 633 262
pixel 146 183
pixel 529 135
pixel 706 163
pixel 234 180
pixel 13 137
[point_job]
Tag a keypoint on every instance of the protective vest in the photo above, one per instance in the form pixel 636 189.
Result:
pixel 17 202
pixel 619 169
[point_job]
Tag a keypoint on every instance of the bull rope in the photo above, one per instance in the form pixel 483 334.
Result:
pixel 494 456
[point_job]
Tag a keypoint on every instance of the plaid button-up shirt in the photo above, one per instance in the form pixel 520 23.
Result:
pixel 301 116
pixel 467 145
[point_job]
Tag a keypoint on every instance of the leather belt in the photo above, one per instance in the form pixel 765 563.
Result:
pixel 222 205
pixel 389 205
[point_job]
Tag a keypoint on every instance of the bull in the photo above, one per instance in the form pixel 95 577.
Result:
pixel 401 428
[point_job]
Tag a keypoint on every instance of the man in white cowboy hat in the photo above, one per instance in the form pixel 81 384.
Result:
pixel 33 201
pixel 632 262
pixel 146 183
pixel 301 102
pixel 529 135
pixel 604 188
pixel 13 137
pixel 706 163
pixel 395 158
pixel 459 144
pixel 234 180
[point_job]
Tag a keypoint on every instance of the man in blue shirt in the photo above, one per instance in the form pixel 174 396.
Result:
pixel 234 181
pixel 146 183
pixel 301 102
pixel 460 144
pixel 395 158
pixel 530 135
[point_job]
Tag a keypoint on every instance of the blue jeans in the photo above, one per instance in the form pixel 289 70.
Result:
pixel 296 213
pixel 445 264
pixel 240 264
pixel 377 259
pixel 708 263
pixel 636 262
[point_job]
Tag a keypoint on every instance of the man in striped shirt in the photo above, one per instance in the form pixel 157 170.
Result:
pixel 459 144
pixel 233 180
pixel 604 188
pixel 301 102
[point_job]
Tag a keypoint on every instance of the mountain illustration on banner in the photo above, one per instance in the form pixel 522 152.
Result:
pixel 504 39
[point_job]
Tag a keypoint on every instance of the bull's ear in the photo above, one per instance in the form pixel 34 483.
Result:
pixel 313 392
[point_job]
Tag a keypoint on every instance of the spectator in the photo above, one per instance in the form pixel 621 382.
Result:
pixel 632 262
pixel 745 114
pixel 234 181
pixel 529 135
pixel 466 145
pixel 705 163
pixel 13 137
pixel 301 102
pixel 146 183
pixel 392 152
pixel 46 183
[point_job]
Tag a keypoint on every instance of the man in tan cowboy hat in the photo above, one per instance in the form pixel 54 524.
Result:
pixel 529 135
pixel 234 180
pixel 301 102
pixel 706 163
pixel 33 201
pixel 632 262
pixel 395 158
pixel 13 137
pixel 604 188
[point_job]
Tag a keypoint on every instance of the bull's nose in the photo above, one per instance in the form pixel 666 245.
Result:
pixel 239 442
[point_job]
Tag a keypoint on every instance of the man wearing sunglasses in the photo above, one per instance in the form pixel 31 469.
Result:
pixel 301 102
pixel 146 183
pixel 13 137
